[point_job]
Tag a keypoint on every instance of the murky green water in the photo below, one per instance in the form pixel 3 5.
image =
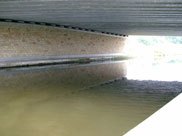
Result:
pixel 86 100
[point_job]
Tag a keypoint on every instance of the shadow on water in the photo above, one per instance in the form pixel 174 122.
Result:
pixel 85 100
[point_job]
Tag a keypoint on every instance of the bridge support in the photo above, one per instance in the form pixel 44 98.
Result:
pixel 36 43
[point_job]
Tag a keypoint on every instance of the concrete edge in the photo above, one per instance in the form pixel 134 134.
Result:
pixel 57 60
pixel 64 27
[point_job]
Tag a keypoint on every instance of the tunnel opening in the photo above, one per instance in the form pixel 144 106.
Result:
pixel 155 58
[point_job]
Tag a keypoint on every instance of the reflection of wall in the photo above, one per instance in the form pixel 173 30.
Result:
pixel 49 102
pixel 76 77
pixel 29 40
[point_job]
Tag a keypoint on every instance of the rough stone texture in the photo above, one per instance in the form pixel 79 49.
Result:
pixel 32 40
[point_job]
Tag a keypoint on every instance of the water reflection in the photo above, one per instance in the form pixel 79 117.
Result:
pixel 165 70
pixel 86 100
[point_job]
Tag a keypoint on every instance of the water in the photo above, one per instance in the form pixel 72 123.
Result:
pixel 162 70
pixel 83 100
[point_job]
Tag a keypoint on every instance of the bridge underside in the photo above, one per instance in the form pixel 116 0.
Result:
pixel 136 17
pixel 30 29
pixel 62 70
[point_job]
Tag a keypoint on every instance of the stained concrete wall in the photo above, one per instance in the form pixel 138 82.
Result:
pixel 32 40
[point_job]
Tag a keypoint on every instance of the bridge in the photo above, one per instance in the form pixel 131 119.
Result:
pixel 80 29
pixel 124 17
pixel 52 99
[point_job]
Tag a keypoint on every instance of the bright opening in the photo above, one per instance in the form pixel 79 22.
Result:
pixel 156 58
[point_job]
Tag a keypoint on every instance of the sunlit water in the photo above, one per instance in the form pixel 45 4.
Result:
pixel 165 70
pixel 84 100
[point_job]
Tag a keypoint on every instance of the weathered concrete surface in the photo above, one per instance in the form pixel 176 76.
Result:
pixel 32 40
pixel 130 17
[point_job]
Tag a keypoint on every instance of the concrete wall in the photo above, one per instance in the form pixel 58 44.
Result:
pixel 32 40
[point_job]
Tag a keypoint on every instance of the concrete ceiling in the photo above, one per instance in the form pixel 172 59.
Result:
pixel 130 17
